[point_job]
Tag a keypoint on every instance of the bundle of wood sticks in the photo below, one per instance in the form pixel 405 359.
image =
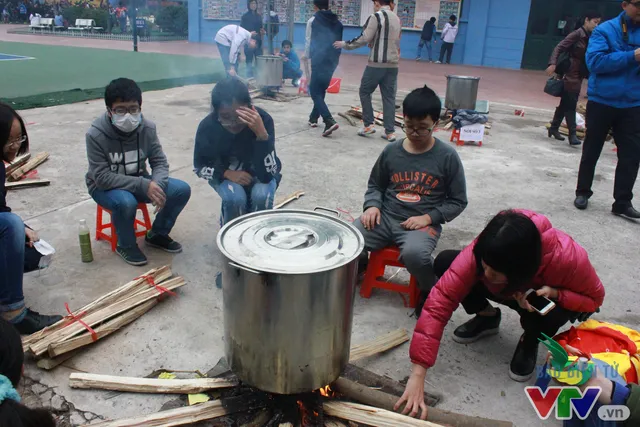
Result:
pixel 103 316
pixel 377 117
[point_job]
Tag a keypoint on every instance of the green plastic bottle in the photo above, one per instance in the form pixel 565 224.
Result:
pixel 85 242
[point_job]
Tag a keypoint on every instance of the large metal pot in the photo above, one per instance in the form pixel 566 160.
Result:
pixel 288 290
pixel 462 92
pixel 269 71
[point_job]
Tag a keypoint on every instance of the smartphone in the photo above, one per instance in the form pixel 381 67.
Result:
pixel 542 305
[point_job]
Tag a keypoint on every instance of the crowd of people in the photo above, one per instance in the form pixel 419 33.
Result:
pixel 416 186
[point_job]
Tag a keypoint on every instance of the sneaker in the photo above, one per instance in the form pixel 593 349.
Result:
pixel 132 256
pixel 329 127
pixel 581 202
pixel 478 327
pixel 389 137
pixel 628 212
pixel 367 130
pixel 34 322
pixel 523 363
pixel 165 243
pixel 313 123
pixel 418 59
pixel 438 62
pixel 295 82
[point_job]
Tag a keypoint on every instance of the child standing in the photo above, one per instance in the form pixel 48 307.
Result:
pixel 291 68
pixel 416 185
pixel 323 30
pixel 426 38
pixel 449 34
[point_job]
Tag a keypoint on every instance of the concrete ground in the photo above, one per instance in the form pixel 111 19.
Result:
pixel 518 166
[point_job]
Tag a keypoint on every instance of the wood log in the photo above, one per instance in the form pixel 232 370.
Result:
pixel 147 385
pixel 334 423
pixel 47 363
pixel 94 318
pixel 56 349
pixel 173 417
pixel 124 291
pixel 348 118
pixel 17 162
pixel 385 384
pixel 378 345
pixel 371 416
pixel 290 198
pixel 368 396
pixel 25 183
pixel 29 166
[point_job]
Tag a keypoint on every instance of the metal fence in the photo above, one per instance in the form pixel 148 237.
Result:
pixel 99 35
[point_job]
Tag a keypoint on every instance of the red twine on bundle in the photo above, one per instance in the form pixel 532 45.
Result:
pixel 152 283
pixel 77 318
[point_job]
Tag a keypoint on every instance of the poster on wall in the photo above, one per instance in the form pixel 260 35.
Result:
pixel 448 8
pixel 223 9
pixel 414 13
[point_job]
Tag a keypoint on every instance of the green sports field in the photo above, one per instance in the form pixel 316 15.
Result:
pixel 60 74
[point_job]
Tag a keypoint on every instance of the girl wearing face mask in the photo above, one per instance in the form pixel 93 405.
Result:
pixel 235 151
pixel 518 250
pixel 14 234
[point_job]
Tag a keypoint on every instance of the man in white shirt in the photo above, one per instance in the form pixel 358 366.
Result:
pixel 448 36
pixel 230 40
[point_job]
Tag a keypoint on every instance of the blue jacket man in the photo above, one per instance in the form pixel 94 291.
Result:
pixel 291 66
pixel 613 59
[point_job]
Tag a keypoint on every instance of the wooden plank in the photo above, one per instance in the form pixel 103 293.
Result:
pixel 379 399
pixel 106 329
pixel 159 275
pixel 371 416
pixel 92 319
pixel 290 198
pixel 47 363
pixel 379 344
pixel 29 166
pixel 17 162
pixel 348 118
pixel 25 183
pixel 147 385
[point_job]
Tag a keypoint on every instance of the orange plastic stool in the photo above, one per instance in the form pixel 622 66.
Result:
pixel 112 237
pixel 377 262
pixel 455 137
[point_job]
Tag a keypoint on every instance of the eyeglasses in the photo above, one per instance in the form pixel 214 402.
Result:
pixel 17 142
pixel 124 110
pixel 419 131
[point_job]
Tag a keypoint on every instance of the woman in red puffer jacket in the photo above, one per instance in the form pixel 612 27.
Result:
pixel 518 250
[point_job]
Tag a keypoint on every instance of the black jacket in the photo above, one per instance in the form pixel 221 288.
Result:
pixel 3 190
pixel 326 29
pixel 427 31
pixel 251 22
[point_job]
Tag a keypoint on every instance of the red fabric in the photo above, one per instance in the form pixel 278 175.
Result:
pixel 565 266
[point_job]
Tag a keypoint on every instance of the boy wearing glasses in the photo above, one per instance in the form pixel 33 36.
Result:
pixel 416 185
pixel 119 144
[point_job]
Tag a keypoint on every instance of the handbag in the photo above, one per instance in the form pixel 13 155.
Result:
pixel 554 87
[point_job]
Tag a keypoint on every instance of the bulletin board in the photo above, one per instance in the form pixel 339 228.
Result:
pixel 414 13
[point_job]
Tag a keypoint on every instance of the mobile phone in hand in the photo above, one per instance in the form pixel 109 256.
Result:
pixel 542 305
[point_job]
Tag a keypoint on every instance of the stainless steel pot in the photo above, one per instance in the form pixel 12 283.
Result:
pixel 269 71
pixel 462 92
pixel 288 289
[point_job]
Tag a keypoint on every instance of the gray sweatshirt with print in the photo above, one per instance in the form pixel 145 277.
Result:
pixel 403 185
pixel 118 161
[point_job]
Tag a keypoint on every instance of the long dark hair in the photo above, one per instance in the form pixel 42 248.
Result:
pixel 7 116
pixel 12 413
pixel 510 244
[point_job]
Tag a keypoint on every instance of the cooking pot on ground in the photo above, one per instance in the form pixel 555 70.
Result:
pixel 288 292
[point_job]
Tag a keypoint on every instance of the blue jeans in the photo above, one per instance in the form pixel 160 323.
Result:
pixel 429 45
pixel 291 73
pixel 224 55
pixel 123 206
pixel 12 245
pixel 238 200
pixel 320 81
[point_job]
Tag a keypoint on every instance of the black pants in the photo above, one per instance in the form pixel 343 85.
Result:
pixel 566 110
pixel 478 299
pixel 448 49
pixel 625 123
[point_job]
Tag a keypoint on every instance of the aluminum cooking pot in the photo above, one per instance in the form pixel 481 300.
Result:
pixel 288 291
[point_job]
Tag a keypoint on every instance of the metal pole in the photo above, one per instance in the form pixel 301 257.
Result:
pixel 292 11
pixel 270 26
pixel 134 25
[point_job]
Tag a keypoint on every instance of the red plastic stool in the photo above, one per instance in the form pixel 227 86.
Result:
pixel 455 137
pixel 377 262
pixel 112 236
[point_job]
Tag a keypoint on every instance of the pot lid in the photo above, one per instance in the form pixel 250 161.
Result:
pixel 290 241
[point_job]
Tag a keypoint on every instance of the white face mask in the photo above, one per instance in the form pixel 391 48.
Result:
pixel 126 123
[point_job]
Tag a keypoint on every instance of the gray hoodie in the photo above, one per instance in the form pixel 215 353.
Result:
pixel 119 162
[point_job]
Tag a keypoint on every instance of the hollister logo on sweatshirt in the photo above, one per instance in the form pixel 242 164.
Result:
pixel 408 197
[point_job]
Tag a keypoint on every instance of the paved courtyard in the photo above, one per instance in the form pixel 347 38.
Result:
pixel 517 167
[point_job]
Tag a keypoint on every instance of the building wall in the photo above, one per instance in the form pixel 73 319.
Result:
pixel 491 33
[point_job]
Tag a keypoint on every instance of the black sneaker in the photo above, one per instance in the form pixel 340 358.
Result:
pixel 165 243
pixel 34 321
pixel 581 202
pixel 523 363
pixel 478 327
pixel 329 127
pixel 132 256
pixel 628 212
